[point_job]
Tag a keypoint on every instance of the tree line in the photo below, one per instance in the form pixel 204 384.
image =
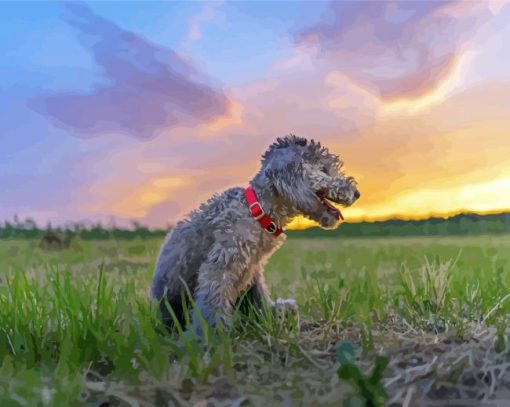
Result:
pixel 463 224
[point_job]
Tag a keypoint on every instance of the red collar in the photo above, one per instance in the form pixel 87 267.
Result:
pixel 258 213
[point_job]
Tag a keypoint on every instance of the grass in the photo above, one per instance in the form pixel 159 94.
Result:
pixel 76 326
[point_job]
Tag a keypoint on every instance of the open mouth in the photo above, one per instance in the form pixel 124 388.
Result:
pixel 329 206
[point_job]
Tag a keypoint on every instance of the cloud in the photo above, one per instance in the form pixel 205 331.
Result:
pixel 206 14
pixel 399 49
pixel 146 86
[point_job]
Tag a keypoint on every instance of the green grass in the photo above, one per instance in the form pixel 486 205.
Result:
pixel 76 326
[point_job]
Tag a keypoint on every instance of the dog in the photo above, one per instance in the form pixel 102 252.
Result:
pixel 218 253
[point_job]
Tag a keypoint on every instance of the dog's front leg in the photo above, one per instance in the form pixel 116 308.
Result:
pixel 213 308
pixel 259 295
pixel 217 289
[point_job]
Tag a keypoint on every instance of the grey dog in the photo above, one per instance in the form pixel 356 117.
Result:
pixel 218 253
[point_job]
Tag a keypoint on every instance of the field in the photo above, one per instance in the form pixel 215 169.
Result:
pixel 76 327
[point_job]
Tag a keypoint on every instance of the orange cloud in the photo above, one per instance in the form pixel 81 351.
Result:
pixel 138 202
pixel 231 119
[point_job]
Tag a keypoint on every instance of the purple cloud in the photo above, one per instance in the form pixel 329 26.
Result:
pixel 398 48
pixel 146 86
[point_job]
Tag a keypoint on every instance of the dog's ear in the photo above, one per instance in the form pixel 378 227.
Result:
pixel 284 176
pixel 288 178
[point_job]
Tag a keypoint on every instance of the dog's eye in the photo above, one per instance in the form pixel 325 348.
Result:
pixel 324 170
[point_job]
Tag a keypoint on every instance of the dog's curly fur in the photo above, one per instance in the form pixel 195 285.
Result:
pixel 220 250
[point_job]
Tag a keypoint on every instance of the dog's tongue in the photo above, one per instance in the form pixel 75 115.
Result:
pixel 332 209
pixel 338 214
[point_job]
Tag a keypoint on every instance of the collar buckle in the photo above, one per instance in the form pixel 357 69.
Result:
pixel 271 228
pixel 262 213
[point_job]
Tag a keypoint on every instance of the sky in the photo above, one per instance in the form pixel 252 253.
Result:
pixel 121 111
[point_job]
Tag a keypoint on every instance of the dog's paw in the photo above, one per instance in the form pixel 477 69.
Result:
pixel 285 305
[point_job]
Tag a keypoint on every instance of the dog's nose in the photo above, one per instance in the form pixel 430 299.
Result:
pixel 357 194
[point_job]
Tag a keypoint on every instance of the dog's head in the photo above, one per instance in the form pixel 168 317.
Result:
pixel 309 178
